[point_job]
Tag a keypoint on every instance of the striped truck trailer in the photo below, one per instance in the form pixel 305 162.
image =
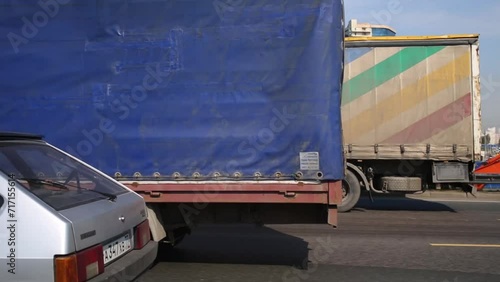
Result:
pixel 410 113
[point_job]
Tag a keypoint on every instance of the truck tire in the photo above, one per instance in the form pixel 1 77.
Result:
pixel 351 191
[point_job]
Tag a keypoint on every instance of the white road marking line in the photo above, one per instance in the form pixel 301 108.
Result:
pixel 459 201
pixel 467 245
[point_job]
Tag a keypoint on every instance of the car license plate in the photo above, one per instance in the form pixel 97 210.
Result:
pixel 117 248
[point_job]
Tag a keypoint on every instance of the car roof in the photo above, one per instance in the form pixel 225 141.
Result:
pixel 19 136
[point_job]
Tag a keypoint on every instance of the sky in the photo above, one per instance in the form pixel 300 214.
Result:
pixel 438 17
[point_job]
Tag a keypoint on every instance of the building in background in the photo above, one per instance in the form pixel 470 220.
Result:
pixel 355 29
pixel 490 143
pixel 494 135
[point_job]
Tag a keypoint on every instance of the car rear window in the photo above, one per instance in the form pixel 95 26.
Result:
pixel 57 179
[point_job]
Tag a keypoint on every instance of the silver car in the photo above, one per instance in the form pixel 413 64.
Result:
pixel 62 220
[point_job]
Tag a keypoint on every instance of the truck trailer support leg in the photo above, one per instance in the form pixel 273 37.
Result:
pixel 334 200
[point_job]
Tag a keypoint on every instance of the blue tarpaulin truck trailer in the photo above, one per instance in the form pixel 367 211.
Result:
pixel 211 110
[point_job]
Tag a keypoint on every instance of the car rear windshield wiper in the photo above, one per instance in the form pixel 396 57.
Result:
pixel 44 182
pixel 109 196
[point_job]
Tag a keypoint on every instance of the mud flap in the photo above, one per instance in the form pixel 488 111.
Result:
pixel 156 223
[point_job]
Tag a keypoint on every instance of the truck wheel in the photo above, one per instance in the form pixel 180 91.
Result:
pixel 351 190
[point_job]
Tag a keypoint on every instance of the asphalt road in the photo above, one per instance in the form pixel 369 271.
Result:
pixel 389 240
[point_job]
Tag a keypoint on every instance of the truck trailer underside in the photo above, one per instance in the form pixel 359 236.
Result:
pixel 175 208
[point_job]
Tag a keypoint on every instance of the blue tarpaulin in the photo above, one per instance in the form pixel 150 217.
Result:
pixel 179 86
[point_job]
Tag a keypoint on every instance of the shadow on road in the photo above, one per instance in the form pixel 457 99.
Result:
pixel 400 204
pixel 238 244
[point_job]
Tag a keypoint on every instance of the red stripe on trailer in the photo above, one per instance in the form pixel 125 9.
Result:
pixel 434 123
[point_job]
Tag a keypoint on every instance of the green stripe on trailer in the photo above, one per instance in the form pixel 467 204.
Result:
pixel 386 70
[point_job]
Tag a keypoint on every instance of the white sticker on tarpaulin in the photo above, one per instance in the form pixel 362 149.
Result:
pixel 309 161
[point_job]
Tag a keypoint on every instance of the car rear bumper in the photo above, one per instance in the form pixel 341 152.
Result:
pixel 130 266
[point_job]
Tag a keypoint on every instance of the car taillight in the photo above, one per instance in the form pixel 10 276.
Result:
pixel 81 266
pixel 142 235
